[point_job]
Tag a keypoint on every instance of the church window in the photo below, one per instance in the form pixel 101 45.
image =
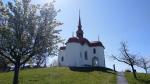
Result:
pixel 80 55
pixel 94 51
pixel 62 58
pixel 85 55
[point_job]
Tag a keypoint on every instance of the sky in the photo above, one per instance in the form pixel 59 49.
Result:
pixel 112 20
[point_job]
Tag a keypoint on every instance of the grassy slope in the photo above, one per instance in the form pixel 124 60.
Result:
pixel 141 78
pixel 59 76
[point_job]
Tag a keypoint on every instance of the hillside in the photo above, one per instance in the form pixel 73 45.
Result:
pixel 59 75
pixel 141 78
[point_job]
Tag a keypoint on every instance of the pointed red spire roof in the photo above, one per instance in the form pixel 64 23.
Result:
pixel 79 31
pixel 79 24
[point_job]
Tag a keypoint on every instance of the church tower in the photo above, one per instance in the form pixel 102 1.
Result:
pixel 79 32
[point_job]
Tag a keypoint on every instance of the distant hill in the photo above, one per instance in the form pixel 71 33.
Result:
pixel 61 75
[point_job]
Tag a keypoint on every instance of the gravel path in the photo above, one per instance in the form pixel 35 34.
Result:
pixel 121 78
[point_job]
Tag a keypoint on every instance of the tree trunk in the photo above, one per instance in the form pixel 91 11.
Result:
pixel 38 64
pixel 23 67
pixel 146 72
pixel 45 65
pixel 134 72
pixel 16 73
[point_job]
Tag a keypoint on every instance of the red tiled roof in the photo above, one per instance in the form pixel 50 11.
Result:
pixel 82 41
pixel 73 39
pixel 96 43
pixel 78 40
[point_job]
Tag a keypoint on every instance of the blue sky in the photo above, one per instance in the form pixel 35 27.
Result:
pixel 113 20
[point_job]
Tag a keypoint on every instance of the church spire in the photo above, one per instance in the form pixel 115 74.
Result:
pixel 79 31
pixel 79 24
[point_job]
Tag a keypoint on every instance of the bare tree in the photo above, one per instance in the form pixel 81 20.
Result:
pixel 126 57
pixel 144 63
pixel 26 30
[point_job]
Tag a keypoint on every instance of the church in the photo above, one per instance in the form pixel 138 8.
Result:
pixel 80 52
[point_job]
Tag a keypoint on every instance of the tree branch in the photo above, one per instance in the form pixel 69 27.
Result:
pixel 28 58
pixel 2 54
pixel 120 60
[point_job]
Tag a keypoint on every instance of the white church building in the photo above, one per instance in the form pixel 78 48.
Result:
pixel 80 52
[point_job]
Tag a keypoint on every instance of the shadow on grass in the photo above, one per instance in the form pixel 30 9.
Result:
pixel 90 69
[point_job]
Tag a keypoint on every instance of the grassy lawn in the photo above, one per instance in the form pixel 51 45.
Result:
pixel 141 78
pixel 59 76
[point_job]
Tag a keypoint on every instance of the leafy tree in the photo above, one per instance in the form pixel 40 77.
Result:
pixel 126 57
pixel 27 30
pixel 39 59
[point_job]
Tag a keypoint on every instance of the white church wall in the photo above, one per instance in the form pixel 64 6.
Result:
pixel 99 53
pixel 86 62
pixel 73 54
pixel 80 57
pixel 60 62
pixel 101 56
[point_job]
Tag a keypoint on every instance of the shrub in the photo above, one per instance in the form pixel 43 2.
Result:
pixel 127 70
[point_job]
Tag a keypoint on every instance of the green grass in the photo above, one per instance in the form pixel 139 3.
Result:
pixel 141 78
pixel 59 76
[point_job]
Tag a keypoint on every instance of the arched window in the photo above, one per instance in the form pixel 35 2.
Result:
pixel 95 61
pixel 86 55
pixel 94 51
pixel 62 58
pixel 80 55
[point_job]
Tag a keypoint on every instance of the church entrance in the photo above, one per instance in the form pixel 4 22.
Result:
pixel 95 62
